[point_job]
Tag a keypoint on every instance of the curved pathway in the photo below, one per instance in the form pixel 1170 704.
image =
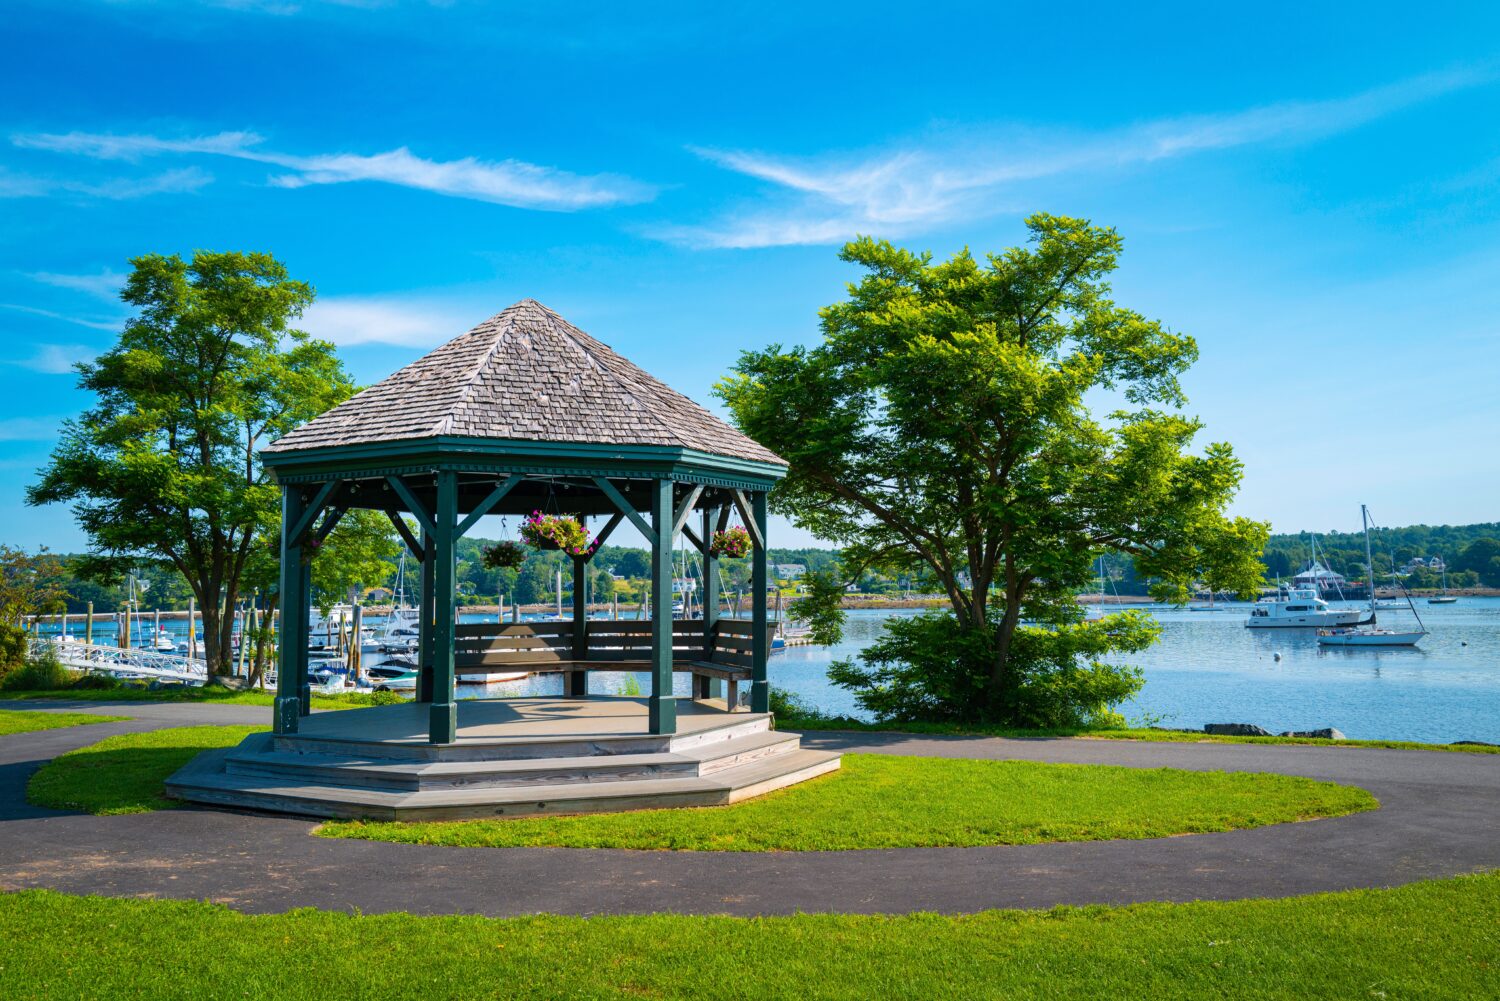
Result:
pixel 1439 817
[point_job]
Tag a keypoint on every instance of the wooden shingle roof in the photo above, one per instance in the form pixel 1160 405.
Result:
pixel 524 374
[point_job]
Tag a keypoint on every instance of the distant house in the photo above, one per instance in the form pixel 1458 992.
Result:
pixel 1320 577
pixel 1433 563
pixel 379 594
pixel 787 571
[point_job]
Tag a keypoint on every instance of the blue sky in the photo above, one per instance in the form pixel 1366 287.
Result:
pixel 1312 194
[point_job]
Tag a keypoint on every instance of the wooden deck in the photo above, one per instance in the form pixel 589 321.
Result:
pixel 512 757
pixel 513 720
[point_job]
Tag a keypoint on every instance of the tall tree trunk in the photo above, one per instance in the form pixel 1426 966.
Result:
pixel 263 637
pixel 1001 682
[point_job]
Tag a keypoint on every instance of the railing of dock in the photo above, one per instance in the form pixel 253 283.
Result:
pixel 121 660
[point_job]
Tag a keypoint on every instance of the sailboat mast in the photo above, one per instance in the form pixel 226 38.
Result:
pixel 1364 516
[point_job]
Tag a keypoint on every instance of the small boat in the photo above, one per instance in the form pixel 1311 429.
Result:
pixel 393 676
pixel 1369 637
pixel 1445 598
pixel 164 642
pixel 1372 636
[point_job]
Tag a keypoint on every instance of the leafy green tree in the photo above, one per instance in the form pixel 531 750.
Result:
pixel 30 584
pixel 941 426
pixel 1482 556
pixel 632 564
pixel 164 467
pixel 821 606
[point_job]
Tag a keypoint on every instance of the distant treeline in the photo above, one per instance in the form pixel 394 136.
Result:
pixel 1470 552
pixel 615 570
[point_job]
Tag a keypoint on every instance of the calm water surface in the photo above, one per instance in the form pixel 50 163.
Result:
pixel 1208 668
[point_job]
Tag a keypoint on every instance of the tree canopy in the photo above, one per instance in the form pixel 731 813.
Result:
pixel 942 425
pixel 164 467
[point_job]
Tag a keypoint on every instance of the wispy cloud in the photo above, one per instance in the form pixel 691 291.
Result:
pixel 505 182
pixel 63 317
pixel 182 181
pixel 895 192
pixel 402 321
pixel 56 359
pixel 104 285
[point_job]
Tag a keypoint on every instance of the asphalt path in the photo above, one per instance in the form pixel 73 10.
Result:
pixel 1439 816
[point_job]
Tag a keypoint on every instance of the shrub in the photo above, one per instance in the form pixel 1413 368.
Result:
pixel 95 683
pixel 42 672
pixel 928 669
pixel 13 643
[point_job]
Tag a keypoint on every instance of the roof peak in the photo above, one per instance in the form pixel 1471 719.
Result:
pixel 525 374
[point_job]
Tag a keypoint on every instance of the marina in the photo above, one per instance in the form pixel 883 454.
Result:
pixel 1210 669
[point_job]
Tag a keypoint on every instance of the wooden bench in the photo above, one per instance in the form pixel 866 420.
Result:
pixel 612 645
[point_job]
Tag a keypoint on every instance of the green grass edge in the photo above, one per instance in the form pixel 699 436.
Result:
pixel 1428 939
pixel 846 725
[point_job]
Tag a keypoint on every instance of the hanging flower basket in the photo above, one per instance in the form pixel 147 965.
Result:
pixel 555 531
pixel 505 555
pixel 733 543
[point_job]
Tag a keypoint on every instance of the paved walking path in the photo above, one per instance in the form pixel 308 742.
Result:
pixel 1439 817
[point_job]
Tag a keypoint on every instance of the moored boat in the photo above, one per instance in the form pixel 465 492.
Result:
pixel 1301 608
pixel 1369 637
pixel 1372 636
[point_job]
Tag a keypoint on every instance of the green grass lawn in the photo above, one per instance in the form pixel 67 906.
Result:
pixel 1435 940
pixel 875 801
pixel 21 721
pixel 124 774
pixel 216 695
pixel 888 801
pixel 814 722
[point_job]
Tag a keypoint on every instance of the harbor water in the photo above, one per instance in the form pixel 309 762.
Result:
pixel 1206 668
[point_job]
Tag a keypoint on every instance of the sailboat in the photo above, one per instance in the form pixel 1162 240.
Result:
pixel 1372 635
pixel 1445 598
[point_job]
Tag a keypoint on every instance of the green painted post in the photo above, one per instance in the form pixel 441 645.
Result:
pixel 663 711
pixel 424 623
pixel 578 681
pixel 760 639
pixel 709 688
pixel 443 714
pixel 293 618
pixel 304 688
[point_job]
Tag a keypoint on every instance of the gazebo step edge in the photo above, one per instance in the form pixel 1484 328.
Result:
pixel 494 748
pixel 205 781
pixel 259 760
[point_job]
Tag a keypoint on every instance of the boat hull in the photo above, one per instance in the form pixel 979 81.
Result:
pixel 1321 620
pixel 1375 638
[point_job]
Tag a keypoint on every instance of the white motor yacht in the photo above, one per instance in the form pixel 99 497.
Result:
pixel 1300 608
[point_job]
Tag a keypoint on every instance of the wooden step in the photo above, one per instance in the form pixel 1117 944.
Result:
pixel 256 756
pixel 494 748
pixel 206 780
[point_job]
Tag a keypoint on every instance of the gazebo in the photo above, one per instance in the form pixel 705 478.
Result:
pixel 524 412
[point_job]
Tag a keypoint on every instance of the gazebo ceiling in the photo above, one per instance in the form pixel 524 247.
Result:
pixel 518 382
